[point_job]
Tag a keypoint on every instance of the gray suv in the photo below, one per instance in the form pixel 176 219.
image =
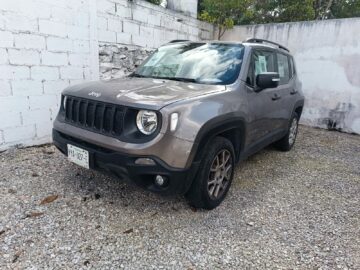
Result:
pixel 181 122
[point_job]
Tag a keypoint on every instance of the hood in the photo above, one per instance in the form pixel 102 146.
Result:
pixel 144 93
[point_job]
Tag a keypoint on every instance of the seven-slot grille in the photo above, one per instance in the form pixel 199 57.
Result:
pixel 96 116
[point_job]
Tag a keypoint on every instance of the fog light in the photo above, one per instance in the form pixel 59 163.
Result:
pixel 159 180
pixel 144 161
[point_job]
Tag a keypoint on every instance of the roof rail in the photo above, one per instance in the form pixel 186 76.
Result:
pixel 178 40
pixel 258 40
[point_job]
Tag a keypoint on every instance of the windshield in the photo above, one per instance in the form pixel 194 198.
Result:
pixel 207 63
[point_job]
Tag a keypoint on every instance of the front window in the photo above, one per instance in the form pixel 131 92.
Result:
pixel 206 63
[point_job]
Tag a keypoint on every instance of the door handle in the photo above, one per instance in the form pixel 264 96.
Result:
pixel 293 92
pixel 275 97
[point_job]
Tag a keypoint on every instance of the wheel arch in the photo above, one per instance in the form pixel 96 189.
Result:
pixel 232 128
pixel 298 108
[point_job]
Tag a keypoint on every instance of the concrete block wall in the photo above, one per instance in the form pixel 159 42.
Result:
pixel 327 55
pixel 44 47
pixel 143 24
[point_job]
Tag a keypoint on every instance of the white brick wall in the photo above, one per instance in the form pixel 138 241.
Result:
pixel 143 24
pixel 47 45
pixel 44 47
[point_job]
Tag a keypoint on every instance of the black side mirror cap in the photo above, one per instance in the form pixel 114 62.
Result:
pixel 267 80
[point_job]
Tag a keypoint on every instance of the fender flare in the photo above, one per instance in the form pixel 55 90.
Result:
pixel 214 127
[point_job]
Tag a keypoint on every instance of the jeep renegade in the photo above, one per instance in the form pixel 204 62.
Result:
pixel 185 117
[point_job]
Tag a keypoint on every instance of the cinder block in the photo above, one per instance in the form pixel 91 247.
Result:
pixel 11 104
pixel 62 14
pixel 19 134
pixel 3 56
pixel 55 87
pixel 53 28
pixel 54 58
pixel 75 82
pixel 81 46
pixel 82 19
pixel 154 19
pixel 29 41
pixel 102 23
pixel 142 41
pixel 115 25
pixel 77 59
pixel 106 6
pixel 87 73
pixel 107 36
pixel 24 57
pixel 123 11
pixel 43 129
pixel 140 14
pixel 123 38
pixel 26 87
pixel 36 116
pixel 5 89
pixel 15 22
pixel 71 73
pixel 6 39
pixel 78 32
pixel 42 102
pixel 14 72
pixel 131 27
pixel 10 119
pixel 41 73
pixel 29 9
pixel 59 44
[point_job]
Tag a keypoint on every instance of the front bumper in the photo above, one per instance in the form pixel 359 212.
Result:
pixel 122 165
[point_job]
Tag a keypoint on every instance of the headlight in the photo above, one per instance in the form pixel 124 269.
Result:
pixel 64 102
pixel 146 122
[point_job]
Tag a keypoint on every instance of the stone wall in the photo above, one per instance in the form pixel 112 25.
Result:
pixel 327 55
pixel 117 61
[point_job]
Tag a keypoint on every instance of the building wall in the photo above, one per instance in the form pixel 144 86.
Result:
pixel 47 45
pixel 129 31
pixel 327 55
pixel 44 47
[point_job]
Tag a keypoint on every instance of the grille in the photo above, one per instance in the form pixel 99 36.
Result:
pixel 104 118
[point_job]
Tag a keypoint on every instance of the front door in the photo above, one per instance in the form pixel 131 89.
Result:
pixel 264 106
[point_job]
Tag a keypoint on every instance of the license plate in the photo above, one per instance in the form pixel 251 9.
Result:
pixel 78 156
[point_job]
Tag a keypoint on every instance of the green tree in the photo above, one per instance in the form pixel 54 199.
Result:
pixel 226 13
pixel 334 9
pixel 275 11
pixel 223 13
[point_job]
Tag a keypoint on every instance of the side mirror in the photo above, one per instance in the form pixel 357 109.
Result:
pixel 267 80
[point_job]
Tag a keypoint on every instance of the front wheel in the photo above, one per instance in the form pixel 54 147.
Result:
pixel 215 175
pixel 288 141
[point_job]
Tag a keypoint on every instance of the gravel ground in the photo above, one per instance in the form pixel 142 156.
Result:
pixel 296 210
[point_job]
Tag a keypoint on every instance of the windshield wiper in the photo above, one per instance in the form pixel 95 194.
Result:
pixel 177 79
pixel 137 75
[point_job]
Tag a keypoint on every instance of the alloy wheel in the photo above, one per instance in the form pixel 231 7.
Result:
pixel 220 174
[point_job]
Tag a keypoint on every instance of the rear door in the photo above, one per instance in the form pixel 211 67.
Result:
pixel 264 105
pixel 285 88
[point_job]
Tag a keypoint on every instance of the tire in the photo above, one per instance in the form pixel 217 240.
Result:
pixel 287 142
pixel 214 177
